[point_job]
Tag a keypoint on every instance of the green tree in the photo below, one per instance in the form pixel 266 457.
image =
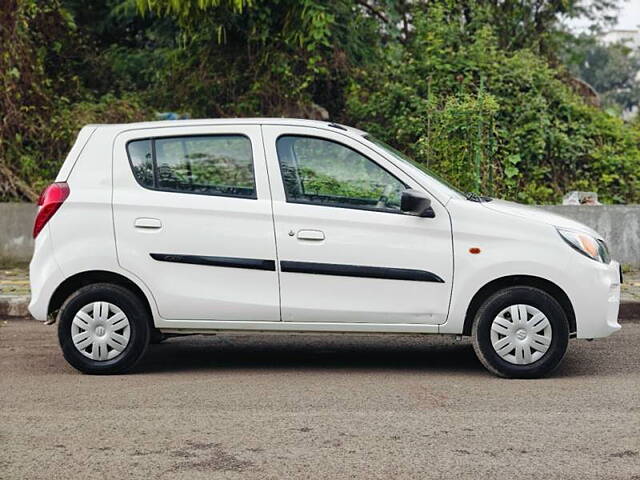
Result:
pixel 455 98
pixel 469 87
pixel 43 98
pixel 274 58
pixel 612 70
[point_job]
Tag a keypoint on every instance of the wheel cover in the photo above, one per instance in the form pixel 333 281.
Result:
pixel 521 334
pixel 100 331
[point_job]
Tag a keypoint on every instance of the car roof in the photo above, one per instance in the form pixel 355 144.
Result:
pixel 233 121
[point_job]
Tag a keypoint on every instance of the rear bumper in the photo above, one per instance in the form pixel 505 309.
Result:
pixel 44 276
pixel 596 298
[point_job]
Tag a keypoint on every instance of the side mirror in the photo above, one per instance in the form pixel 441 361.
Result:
pixel 414 202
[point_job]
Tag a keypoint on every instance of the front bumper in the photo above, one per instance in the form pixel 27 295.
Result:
pixel 595 296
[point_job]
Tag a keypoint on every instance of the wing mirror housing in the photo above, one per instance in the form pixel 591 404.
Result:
pixel 414 202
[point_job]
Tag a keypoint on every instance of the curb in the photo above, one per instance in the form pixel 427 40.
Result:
pixel 16 306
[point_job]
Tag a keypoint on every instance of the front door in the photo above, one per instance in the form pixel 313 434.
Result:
pixel 193 221
pixel 347 252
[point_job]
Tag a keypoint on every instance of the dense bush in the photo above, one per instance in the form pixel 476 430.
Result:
pixel 477 113
pixel 470 88
pixel 43 102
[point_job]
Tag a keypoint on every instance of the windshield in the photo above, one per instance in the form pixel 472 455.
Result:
pixel 442 183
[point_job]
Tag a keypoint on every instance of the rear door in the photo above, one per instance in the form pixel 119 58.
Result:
pixel 193 221
pixel 347 252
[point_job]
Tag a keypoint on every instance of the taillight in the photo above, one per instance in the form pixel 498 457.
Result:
pixel 48 203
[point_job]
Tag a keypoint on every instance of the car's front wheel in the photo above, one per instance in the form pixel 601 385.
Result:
pixel 103 329
pixel 520 332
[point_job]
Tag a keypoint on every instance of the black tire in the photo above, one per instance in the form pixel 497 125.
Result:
pixel 549 306
pixel 132 307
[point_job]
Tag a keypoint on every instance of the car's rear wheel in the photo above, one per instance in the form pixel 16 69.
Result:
pixel 103 329
pixel 520 332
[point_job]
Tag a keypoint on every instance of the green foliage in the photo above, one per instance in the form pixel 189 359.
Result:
pixel 612 70
pixel 455 99
pixel 41 158
pixel 520 24
pixel 256 58
pixel 42 101
pixel 24 87
pixel 470 88
pixel 188 10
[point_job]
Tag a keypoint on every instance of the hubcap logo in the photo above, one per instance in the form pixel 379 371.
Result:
pixel 521 334
pixel 100 331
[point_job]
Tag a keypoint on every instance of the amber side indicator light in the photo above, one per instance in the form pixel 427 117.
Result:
pixel 474 250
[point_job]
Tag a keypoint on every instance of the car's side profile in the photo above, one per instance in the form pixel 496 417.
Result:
pixel 282 225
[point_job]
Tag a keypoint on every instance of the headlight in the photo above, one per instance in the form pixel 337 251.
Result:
pixel 587 245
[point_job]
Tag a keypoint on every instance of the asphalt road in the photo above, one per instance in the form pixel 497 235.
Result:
pixel 316 407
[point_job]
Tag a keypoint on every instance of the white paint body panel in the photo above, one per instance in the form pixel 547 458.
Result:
pixel 197 225
pixel 513 244
pixel 80 236
pixel 94 231
pixel 359 237
pixel 83 137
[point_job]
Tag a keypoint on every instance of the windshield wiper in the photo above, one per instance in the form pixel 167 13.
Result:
pixel 474 197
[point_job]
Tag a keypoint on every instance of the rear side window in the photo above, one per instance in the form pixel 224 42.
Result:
pixel 204 164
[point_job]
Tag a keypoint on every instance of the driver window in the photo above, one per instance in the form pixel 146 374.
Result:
pixel 323 172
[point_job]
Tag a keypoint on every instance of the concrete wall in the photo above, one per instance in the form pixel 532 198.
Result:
pixel 16 225
pixel 619 224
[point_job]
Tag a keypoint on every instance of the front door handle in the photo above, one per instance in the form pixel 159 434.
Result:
pixel 147 223
pixel 314 235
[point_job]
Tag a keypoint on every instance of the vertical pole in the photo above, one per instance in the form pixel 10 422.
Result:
pixel 429 112
pixel 490 141
pixel 478 151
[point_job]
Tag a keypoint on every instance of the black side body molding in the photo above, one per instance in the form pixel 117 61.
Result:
pixel 232 262
pixel 359 271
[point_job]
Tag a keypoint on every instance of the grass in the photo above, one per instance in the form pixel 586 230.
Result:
pixel 8 263
pixel 14 278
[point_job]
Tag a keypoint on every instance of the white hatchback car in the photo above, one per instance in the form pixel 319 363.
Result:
pixel 281 225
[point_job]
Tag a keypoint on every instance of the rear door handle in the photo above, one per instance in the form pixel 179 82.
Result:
pixel 150 223
pixel 314 235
